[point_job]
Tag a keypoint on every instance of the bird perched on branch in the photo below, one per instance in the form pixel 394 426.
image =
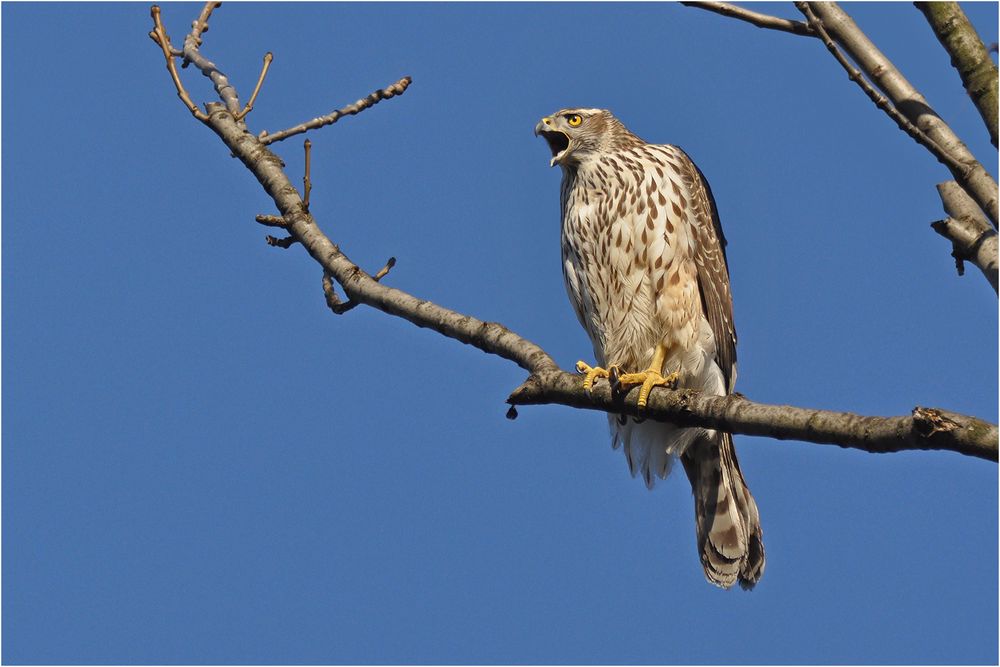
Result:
pixel 645 266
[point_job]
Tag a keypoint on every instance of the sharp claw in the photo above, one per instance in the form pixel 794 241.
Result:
pixel 614 380
pixel 672 380
pixel 646 380
pixel 590 374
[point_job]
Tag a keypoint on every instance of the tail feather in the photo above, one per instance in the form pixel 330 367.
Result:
pixel 730 539
pixel 755 547
pixel 726 518
pixel 650 446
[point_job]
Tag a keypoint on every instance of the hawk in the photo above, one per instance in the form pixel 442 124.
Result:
pixel 644 261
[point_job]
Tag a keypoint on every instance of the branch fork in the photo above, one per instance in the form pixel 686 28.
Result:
pixel 334 303
pixel 390 91
pixel 159 35
pixel 907 107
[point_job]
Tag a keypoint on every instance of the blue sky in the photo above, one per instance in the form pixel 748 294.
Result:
pixel 202 464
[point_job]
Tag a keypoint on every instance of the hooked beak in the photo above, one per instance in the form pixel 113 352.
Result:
pixel 557 140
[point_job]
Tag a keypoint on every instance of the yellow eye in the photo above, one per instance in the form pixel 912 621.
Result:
pixel 574 120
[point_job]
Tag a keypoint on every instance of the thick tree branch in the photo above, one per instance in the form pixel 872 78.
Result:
pixel 927 429
pixel 968 55
pixel 225 90
pixel 973 240
pixel 880 100
pixel 904 104
pixel 334 303
pixel 964 167
pixel 754 18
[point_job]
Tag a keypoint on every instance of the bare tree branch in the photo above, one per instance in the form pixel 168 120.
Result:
pixel 339 307
pixel 926 429
pixel 283 243
pixel 271 220
pixel 192 42
pixel 390 91
pixel 904 102
pixel 268 57
pixel 968 55
pixel 307 175
pixel 972 238
pixel 200 24
pixel 754 18
pixel 969 173
pixel 880 100
pixel 159 35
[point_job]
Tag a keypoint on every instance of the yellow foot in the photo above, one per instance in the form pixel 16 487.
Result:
pixel 591 373
pixel 648 379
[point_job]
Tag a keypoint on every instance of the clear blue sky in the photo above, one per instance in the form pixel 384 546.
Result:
pixel 202 464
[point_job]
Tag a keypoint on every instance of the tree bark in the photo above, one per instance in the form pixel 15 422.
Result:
pixel 973 178
pixel 973 240
pixel 925 428
pixel 968 55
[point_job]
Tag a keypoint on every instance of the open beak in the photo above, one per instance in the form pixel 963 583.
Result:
pixel 558 141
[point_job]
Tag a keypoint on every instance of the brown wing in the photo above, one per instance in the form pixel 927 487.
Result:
pixel 713 268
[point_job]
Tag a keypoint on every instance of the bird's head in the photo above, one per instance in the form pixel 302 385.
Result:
pixel 575 135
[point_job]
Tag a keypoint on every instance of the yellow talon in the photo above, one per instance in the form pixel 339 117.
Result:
pixel 651 377
pixel 590 374
pixel 648 379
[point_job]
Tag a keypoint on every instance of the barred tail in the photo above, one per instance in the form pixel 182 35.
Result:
pixel 728 526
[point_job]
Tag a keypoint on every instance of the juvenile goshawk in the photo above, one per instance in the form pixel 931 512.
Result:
pixel 645 266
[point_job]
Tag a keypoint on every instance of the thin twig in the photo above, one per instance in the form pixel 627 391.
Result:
pixel 285 243
pixel 755 18
pixel 384 271
pixel 306 178
pixel 392 90
pixel 260 82
pixel 159 35
pixel 271 220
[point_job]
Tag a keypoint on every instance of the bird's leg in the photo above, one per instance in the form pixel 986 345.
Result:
pixel 591 373
pixel 651 377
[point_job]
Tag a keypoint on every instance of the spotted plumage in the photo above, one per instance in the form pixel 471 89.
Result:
pixel 643 258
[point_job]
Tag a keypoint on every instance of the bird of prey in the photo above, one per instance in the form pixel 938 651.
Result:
pixel 644 261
